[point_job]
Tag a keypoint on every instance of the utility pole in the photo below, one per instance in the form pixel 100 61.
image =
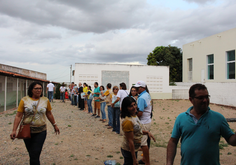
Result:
pixel 70 73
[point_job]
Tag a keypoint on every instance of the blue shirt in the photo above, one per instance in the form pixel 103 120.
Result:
pixel 144 105
pixel 200 141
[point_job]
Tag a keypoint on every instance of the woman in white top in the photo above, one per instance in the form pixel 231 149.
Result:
pixel 122 93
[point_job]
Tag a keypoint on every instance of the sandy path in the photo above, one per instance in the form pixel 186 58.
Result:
pixel 85 140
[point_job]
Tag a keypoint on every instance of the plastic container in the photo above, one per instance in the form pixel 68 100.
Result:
pixel 110 162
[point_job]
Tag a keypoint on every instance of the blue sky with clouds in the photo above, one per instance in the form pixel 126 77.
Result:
pixel 49 36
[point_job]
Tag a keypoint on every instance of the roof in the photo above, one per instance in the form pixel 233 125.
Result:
pixel 7 73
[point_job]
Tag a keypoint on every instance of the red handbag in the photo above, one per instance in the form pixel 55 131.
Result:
pixel 24 130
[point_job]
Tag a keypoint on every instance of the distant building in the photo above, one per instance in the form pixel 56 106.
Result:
pixel 14 84
pixel 156 77
pixel 211 61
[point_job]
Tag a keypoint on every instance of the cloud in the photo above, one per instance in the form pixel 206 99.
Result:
pixel 200 1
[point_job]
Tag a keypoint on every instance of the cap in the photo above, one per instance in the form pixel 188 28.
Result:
pixel 140 84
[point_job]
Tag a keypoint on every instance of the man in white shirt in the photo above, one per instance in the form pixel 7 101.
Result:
pixel 62 92
pixel 50 91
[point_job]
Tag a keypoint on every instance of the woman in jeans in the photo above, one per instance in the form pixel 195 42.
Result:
pixel 27 110
pixel 102 104
pixel 132 128
pixel 116 111
pixel 89 99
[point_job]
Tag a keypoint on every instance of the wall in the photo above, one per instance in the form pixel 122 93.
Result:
pixel 198 50
pixel 23 71
pixel 156 77
pixel 221 93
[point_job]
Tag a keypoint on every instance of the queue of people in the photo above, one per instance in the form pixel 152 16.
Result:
pixel 132 113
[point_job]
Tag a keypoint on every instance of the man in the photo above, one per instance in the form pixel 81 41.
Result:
pixel 50 91
pixel 75 92
pixel 109 108
pixel 62 92
pixel 96 94
pixel 144 114
pixel 81 100
pixel 200 130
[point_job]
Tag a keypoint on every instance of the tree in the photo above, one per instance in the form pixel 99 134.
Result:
pixel 168 56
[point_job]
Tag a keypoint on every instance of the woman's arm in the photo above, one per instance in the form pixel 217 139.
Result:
pixel 149 134
pixel 51 119
pixel 118 99
pixel 130 138
pixel 16 123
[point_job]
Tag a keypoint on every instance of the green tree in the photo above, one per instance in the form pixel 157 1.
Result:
pixel 168 56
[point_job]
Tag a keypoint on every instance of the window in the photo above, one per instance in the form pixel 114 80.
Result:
pixel 210 66
pixel 190 69
pixel 231 64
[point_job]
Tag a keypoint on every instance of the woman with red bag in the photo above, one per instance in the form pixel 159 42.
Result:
pixel 34 109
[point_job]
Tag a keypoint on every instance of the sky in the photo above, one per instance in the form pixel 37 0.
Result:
pixel 48 36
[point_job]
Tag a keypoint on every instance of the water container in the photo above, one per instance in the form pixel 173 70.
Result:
pixel 110 162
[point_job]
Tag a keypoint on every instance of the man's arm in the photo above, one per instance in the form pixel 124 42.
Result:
pixel 232 140
pixel 171 151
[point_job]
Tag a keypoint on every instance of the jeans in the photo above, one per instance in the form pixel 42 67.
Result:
pixel 50 95
pixel 128 160
pixel 116 119
pixel 75 100
pixel 62 96
pixel 34 146
pixel 89 102
pixel 110 115
pixel 103 105
pixel 72 99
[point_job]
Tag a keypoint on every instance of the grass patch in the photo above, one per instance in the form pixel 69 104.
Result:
pixel 121 157
pixel 9 123
pixel 167 123
pixel 117 152
pixel 72 155
pixel 222 145
pixel 69 125
pixel 10 114
pixel 109 156
pixel 229 153
pixel 56 143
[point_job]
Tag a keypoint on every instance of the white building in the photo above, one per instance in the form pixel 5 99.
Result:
pixel 156 77
pixel 211 61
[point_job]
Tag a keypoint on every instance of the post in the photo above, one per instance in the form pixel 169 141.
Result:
pixel 26 87
pixel 5 95
pixel 70 72
pixel 17 83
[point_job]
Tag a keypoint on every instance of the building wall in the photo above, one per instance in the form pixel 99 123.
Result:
pixel 198 50
pixel 156 77
pixel 221 93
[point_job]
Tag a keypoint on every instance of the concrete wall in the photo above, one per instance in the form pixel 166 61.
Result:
pixel 24 71
pixel 221 93
pixel 156 77
pixel 218 45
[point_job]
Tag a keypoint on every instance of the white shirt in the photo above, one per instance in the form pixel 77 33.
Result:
pixel 122 94
pixel 50 86
pixel 62 89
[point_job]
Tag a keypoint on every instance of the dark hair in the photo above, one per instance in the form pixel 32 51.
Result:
pixel 89 87
pixel 127 101
pixel 146 89
pixel 109 85
pixel 31 87
pixel 102 87
pixel 196 87
pixel 123 86
pixel 131 90
pixel 85 84
pixel 96 83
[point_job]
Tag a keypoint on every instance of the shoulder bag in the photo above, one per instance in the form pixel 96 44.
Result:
pixel 24 130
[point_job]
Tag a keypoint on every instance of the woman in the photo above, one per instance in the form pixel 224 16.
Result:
pixel 27 110
pixel 132 128
pixel 102 104
pixel 116 111
pixel 85 90
pixel 133 93
pixel 89 96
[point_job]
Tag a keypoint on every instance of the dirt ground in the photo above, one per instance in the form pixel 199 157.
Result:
pixel 86 140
